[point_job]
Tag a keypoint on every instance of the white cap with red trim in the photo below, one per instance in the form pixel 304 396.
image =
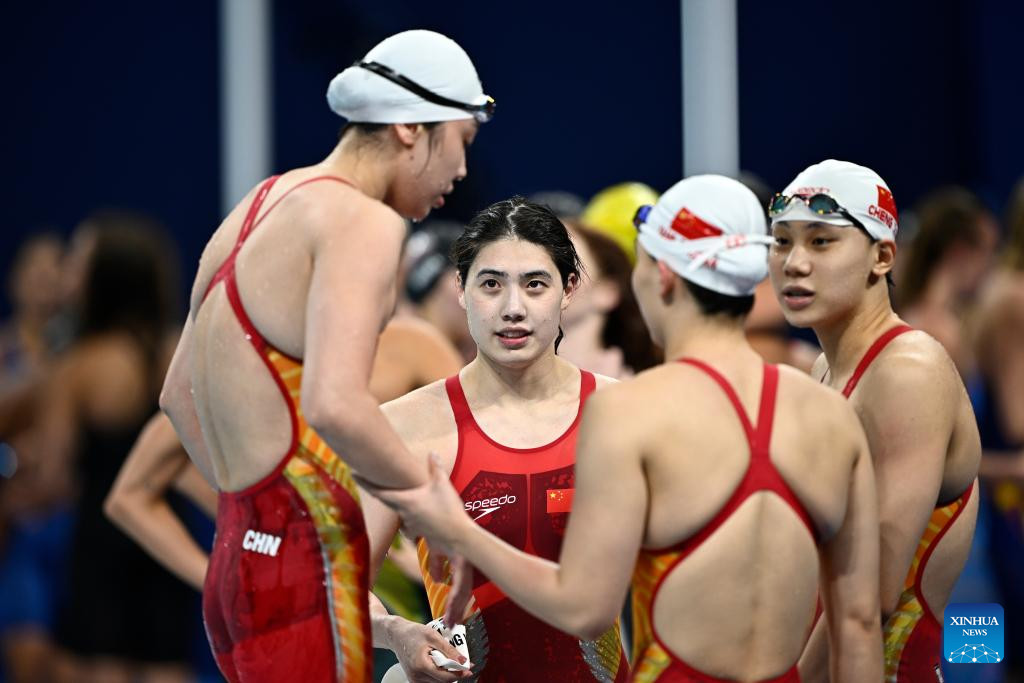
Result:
pixel 710 230
pixel 857 189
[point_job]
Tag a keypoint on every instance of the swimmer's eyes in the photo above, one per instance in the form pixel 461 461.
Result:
pixel 781 241
pixel 821 241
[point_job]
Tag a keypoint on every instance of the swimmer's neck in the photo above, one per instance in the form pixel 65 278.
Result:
pixel 491 382
pixel 846 340
pixel 708 338
pixel 370 171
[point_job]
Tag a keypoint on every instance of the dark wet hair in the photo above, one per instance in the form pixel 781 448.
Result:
pixel 518 218
pixel 715 303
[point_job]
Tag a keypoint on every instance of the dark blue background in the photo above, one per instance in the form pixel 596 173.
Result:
pixel 116 103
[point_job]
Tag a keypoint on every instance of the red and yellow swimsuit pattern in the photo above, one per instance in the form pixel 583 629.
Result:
pixel 285 593
pixel 912 635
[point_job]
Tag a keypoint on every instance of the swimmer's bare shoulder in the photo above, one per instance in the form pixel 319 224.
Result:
pixel 912 386
pixel 424 421
pixel 830 427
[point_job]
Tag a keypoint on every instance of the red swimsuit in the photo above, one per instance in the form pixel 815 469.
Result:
pixel 285 593
pixel 523 496
pixel 653 660
pixel 912 634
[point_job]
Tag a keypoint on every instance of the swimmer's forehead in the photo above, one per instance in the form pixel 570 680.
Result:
pixel 513 258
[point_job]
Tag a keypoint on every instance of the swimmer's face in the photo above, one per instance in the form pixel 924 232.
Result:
pixel 429 166
pixel 514 298
pixel 821 272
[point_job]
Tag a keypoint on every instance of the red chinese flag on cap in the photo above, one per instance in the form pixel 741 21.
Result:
pixel 886 201
pixel 691 227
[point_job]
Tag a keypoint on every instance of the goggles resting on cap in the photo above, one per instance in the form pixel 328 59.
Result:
pixel 820 204
pixel 481 112
pixel 640 217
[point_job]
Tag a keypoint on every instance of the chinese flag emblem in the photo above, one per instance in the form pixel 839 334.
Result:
pixel 886 202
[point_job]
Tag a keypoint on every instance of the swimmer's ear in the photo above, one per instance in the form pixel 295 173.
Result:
pixel 407 133
pixel 666 280
pixel 461 286
pixel 572 286
pixel 884 253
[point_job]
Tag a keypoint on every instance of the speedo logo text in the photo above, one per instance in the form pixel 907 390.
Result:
pixel 488 505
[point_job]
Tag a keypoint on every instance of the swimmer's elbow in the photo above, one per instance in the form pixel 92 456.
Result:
pixel 592 621
pixel 329 414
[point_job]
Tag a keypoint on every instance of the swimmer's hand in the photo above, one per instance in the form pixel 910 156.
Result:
pixel 412 643
pixel 434 510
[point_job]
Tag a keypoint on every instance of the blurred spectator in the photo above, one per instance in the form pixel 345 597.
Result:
pixel 33 526
pixel 944 267
pixel 124 618
pixel 34 289
pixel 999 405
pixel 604 331
pixel 431 291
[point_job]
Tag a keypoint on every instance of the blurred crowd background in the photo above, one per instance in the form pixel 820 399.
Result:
pixel 113 145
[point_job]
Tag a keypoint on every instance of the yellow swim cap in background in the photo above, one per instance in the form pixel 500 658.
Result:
pixel 611 212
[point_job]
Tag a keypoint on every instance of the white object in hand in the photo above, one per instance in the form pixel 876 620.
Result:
pixel 457 637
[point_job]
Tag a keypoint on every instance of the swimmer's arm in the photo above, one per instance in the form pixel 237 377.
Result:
pixel 849 564
pixel 909 426
pixel 177 402
pixel 410 641
pixel 351 295
pixel 137 505
pixel 381 526
pixel 605 530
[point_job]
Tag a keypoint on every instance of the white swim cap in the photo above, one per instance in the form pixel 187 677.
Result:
pixel 856 189
pixel 710 230
pixel 411 77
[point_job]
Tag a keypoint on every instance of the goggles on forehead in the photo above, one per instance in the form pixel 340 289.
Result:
pixel 481 112
pixel 820 203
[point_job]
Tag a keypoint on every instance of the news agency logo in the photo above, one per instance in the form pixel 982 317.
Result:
pixel 972 633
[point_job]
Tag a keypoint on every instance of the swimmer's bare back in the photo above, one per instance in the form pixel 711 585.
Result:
pixel 752 582
pixel 316 279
